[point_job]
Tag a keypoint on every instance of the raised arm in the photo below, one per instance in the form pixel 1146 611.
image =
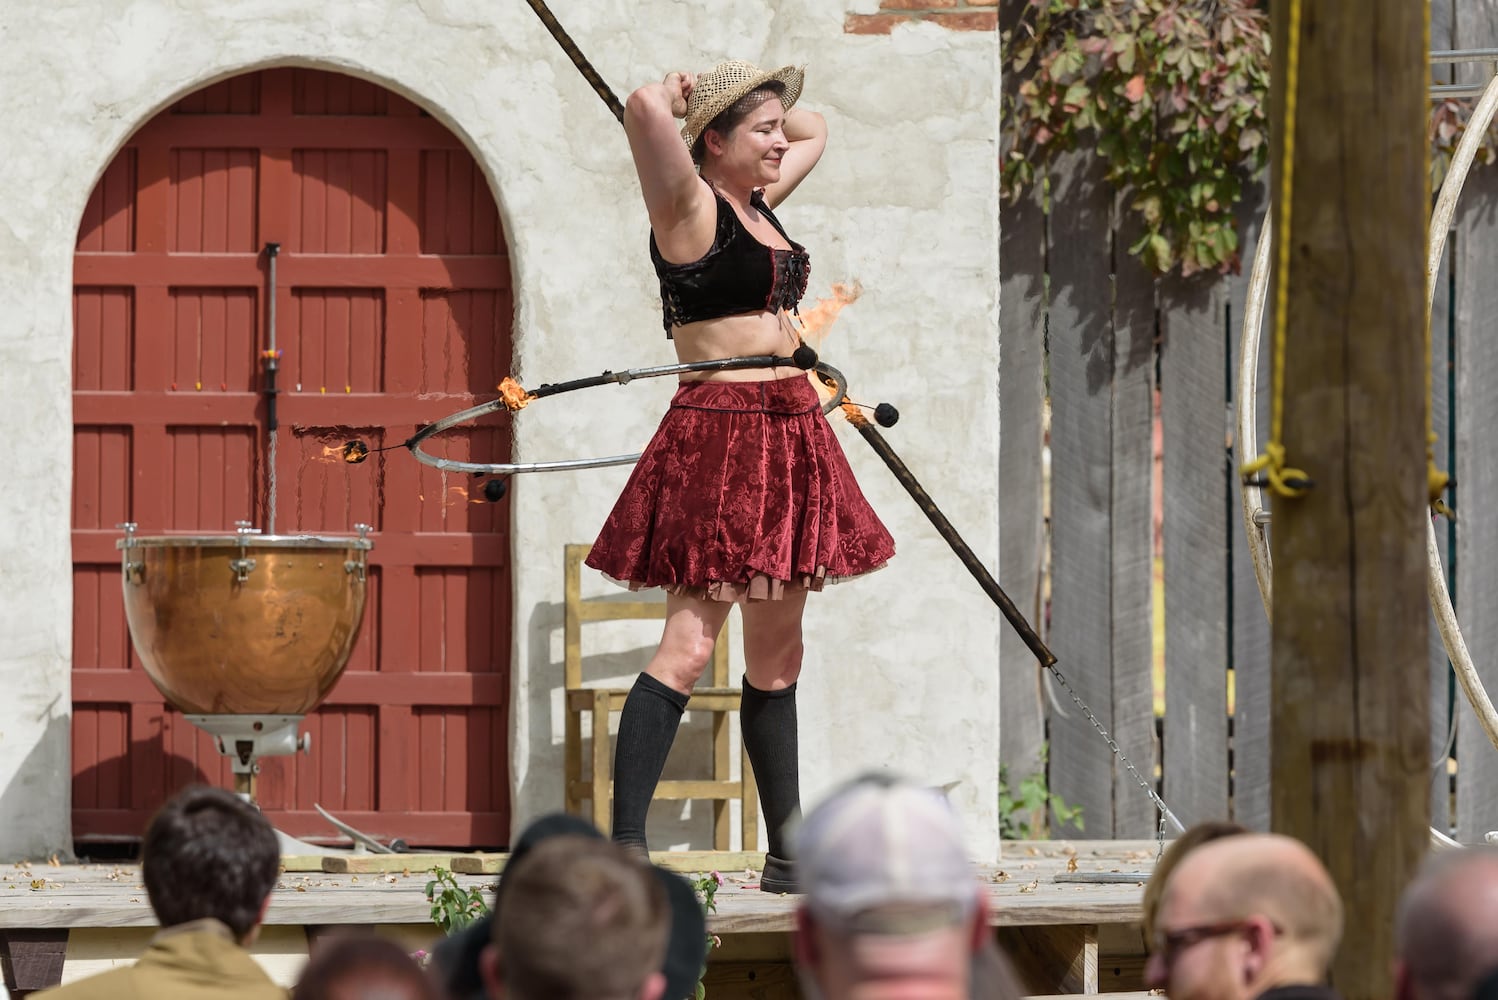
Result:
pixel 806 132
pixel 675 196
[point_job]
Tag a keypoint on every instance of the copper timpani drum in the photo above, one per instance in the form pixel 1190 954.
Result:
pixel 244 624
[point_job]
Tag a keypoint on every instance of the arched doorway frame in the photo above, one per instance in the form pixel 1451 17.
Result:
pixel 446 119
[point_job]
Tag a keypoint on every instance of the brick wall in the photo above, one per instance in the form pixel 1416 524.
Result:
pixel 958 15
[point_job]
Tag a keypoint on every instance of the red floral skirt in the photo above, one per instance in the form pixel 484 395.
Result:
pixel 742 492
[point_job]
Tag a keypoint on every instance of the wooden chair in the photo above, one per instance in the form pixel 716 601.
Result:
pixel 719 700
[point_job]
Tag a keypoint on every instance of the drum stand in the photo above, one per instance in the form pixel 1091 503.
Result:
pixel 246 738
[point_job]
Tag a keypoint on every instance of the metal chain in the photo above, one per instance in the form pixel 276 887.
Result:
pixel 1165 813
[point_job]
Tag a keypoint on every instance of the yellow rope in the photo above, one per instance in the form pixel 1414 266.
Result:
pixel 1284 481
pixel 1436 481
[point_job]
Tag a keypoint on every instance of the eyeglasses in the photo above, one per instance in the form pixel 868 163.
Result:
pixel 1170 944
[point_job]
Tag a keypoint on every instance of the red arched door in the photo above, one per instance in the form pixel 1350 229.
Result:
pixel 393 308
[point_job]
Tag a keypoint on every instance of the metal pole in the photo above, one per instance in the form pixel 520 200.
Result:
pixel 272 359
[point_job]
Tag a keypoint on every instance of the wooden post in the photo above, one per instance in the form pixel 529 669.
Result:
pixel 1350 690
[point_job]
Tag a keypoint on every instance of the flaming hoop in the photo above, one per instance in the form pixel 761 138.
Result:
pixel 514 397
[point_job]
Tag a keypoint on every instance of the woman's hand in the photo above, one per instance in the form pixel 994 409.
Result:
pixel 679 88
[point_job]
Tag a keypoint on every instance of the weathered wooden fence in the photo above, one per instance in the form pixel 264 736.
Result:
pixel 1085 330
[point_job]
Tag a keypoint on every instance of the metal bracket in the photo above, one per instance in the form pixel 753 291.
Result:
pixel 134 572
pixel 244 564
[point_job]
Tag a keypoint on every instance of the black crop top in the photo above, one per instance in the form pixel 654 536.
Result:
pixel 738 274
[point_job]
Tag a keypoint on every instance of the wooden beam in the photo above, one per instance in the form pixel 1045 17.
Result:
pixel 1350 691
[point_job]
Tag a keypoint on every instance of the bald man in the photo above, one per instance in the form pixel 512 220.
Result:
pixel 1254 915
pixel 1446 929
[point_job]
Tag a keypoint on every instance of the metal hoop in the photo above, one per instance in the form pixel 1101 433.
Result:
pixel 1256 517
pixel 840 384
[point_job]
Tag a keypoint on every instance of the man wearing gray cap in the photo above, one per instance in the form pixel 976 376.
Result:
pixel 892 907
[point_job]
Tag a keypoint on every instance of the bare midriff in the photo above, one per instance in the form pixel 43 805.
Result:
pixel 735 337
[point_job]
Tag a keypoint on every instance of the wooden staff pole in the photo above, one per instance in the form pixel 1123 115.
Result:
pixel 1350 693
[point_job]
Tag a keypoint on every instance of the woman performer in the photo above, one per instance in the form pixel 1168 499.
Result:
pixel 743 495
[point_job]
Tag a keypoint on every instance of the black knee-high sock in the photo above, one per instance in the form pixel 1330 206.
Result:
pixel 647 728
pixel 768 720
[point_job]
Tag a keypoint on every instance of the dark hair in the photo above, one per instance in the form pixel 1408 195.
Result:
pixel 580 918
pixel 363 967
pixel 732 116
pixel 209 853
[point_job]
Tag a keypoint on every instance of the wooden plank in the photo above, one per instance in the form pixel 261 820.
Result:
pixel 1193 417
pixel 1024 892
pixel 1053 959
pixel 1442 36
pixel 751 981
pixel 33 958
pixel 676 861
pixel 1132 605
pixel 1081 374
pixel 1351 717
pixel 359 864
pixel 1122 956
pixel 1476 596
pixel 1021 437
pixel 1248 620
pixel 480 864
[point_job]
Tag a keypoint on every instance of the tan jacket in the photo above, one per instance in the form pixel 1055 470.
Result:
pixel 197 960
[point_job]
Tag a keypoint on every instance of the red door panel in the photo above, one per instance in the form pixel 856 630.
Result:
pixel 393 309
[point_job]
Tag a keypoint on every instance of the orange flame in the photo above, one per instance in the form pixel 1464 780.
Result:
pixel 816 320
pixel 462 495
pixel 853 414
pixel 514 394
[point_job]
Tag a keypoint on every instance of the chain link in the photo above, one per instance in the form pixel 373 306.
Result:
pixel 1165 814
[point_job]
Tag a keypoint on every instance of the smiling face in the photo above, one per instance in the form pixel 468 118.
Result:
pixel 749 153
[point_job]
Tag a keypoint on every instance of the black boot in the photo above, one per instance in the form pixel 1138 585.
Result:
pixel 647 728
pixel 768 720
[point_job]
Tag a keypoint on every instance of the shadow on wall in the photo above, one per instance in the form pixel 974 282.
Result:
pixel 126 790
pixel 673 825
pixel 35 803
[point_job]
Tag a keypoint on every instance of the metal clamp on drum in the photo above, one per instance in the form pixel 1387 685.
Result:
pixel 133 572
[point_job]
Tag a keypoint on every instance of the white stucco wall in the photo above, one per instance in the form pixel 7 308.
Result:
pixel 901 668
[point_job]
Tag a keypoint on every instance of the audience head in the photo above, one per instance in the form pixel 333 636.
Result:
pixel 363 967
pixel 456 959
pixel 890 895
pixel 579 920
pixel 1446 928
pixel 1188 841
pixel 1241 915
pixel 209 853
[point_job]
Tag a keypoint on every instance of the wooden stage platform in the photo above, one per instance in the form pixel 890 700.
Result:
pixel 60 922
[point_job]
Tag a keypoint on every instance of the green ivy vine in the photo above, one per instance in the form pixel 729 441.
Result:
pixel 1173 96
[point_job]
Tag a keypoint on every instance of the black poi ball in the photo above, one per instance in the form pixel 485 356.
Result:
pixel 805 357
pixel 355 452
pixel 494 490
pixel 886 415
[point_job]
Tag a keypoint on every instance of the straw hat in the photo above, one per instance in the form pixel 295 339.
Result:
pixel 716 91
